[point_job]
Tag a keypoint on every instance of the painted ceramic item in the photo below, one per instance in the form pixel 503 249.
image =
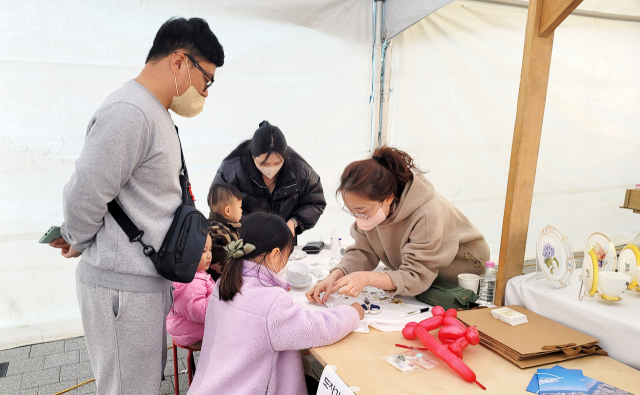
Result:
pixel 306 282
pixel 608 299
pixel 628 263
pixel 554 256
pixel 295 255
pixel 612 285
pixel 604 249
pixel 589 275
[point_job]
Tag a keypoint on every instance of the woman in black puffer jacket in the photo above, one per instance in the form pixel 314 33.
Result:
pixel 274 179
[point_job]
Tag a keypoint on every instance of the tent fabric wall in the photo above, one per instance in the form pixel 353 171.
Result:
pixel 304 65
pixel 455 78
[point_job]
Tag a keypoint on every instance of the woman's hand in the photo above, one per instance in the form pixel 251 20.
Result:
pixel 352 284
pixel 323 286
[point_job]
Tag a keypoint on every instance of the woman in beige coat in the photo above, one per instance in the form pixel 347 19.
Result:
pixel 402 221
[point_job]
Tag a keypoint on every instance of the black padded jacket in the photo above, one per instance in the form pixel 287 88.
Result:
pixel 298 192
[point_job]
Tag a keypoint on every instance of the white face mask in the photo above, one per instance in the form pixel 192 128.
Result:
pixel 282 271
pixel 269 171
pixel 190 103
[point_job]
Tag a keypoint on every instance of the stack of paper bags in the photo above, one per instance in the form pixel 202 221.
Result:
pixel 523 345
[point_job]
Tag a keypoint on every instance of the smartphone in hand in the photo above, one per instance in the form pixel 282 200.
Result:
pixel 52 234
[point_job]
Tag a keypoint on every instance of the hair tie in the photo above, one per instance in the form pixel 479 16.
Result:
pixel 376 158
pixel 237 249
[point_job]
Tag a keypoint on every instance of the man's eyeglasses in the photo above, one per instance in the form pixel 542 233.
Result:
pixel 206 75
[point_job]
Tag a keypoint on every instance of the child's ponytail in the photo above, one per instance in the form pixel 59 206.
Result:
pixel 260 234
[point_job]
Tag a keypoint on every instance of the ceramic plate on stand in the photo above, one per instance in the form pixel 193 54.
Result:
pixel 604 249
pixel 554 256
pixel 589 275
pixel 628 263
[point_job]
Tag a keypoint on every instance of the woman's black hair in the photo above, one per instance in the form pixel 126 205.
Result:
pixel 267 139
pixel 266 232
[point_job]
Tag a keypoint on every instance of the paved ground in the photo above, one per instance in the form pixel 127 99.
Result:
pixel 48 368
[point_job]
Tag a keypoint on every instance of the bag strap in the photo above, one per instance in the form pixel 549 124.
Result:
pixel 184 164
pixel 185 185
pixel 131 230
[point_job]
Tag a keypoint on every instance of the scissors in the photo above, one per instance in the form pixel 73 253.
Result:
pixel 370 308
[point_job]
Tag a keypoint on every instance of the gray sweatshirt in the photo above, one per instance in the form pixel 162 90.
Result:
pixel 131 153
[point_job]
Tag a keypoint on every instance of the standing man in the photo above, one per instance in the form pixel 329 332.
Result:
pixel 132 154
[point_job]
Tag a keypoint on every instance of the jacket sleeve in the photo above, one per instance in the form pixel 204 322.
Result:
pixel 311 201
pixel 422 257
pixel 196 310
pixel 116 143
pixel 220 177
pixel 292 327
pixel 360 256
pixel 228 172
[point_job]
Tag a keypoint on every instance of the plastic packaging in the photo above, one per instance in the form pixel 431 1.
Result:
pixel 411 361
pixel 487 285
pixel 336 239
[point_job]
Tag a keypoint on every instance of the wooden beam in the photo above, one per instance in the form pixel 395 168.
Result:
pixel 554 12
pixel 524 150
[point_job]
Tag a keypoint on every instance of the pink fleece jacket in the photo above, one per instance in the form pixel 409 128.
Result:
pixel 251 344
pixel 185 322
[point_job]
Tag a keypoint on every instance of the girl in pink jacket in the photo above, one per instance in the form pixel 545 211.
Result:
pixel 253 330
pixel 185 322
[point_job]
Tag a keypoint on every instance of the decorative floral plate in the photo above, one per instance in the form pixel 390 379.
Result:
pixel 554 256
pixel 589 275
pixel 628 262
pixel 604 249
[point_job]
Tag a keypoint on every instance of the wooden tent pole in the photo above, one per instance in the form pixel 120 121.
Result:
pixel 526 136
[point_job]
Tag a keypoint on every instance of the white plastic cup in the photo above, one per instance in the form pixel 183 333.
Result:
pixel 469 281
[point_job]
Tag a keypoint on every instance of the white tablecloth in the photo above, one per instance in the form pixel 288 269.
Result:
pixel 387 320
pixel 617 325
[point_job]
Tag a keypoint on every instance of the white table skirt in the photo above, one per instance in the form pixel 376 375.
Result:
pixel 387 320
pixel 617 325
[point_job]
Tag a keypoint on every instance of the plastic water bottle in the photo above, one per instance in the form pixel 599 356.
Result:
pixel 336 239
pixel 487 284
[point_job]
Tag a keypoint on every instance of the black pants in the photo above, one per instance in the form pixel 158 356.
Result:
pixel 312 385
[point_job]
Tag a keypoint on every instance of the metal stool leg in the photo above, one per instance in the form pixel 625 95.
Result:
pixel 176 372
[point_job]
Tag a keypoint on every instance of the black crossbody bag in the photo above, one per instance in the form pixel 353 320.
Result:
pixel 179 255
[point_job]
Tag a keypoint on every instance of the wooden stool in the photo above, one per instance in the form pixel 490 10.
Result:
pixel 190 365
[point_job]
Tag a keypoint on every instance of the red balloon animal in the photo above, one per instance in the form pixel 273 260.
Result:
pixel 454 336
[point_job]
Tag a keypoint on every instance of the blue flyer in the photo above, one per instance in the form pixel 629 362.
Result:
pixel 533 384
pixel 593 387
pixel 553 381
